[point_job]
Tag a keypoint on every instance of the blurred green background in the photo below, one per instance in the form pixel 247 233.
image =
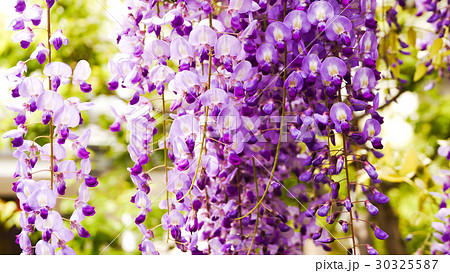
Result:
pixel 414 123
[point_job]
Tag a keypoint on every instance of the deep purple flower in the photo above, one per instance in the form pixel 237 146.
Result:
pixel 266 56
pixel 332 69
pixel 371 129
pixel 323 210
pixel 341 114
pixel 371 208
pixel 90 181
pixel 277 33
pixel 371 250
pixel 380 197
pixel 319 12
pixel 370 169
pixel 234 158
pixel 338 27
pixel 348 204
pixel 344 226
pixel 364 81
pixel 20 6
pixel 50 3
pixel 293 84
pixel 298 23
pixel 88 210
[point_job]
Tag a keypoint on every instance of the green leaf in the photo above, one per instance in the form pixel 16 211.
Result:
pixel 391 178
pixel 436 46
pixel 421 69
pixel 7 210
pixel 411 37
pixel 446 53
pixel 410 163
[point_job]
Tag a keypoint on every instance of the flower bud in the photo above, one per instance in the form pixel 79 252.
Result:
pixel 371 208
pixel 379 233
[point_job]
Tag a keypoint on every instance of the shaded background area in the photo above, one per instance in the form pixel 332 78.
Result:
pixel 414 122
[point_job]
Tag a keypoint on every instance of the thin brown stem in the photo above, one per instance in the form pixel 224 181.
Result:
pixel 49 33
pixel 344 141
pixel 257 206
pixel 239 198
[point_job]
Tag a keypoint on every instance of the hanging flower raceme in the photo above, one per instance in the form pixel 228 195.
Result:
pixel 37 199
pixel 238 78
pixel 442 243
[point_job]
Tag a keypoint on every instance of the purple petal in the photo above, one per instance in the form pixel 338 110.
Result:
pixel 277 32
pixel 368 42
pixel 227 45
pixel 42 198
pixel 180 49
pixel 371 128
pixel 202 35
pixel 88 210
pixel 297 20
pixel 90 181
pixel 379 197
pixel 364 78
pixel 379 233
pixel 20 6
pixel 44 248
pixel 266 53
pixel 371 208
pixel 214 96
pixel 370 249
pixel 319 11
pixel 336 26
pixel 340 112
pixel 311 64
pixel 333 67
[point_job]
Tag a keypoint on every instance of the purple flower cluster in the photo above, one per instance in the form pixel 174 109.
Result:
pixel 442 246
pixel 38 198
pixel 438 16
pixel 262 90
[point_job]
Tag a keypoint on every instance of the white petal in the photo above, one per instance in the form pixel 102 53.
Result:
pixel 82 72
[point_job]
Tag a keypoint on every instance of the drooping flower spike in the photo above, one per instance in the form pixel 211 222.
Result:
pixel 38 198
pixel 441 243
pixel 241 75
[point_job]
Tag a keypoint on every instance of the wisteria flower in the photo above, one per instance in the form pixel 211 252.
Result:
pixel 25 37
pixel 40 54
pixel 319 12
pixel 341 114
pixel 58 39
pixel 278 34
pixel 59 73
pixel 81 73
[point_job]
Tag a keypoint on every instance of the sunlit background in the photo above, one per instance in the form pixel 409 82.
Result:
pixel 413 125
